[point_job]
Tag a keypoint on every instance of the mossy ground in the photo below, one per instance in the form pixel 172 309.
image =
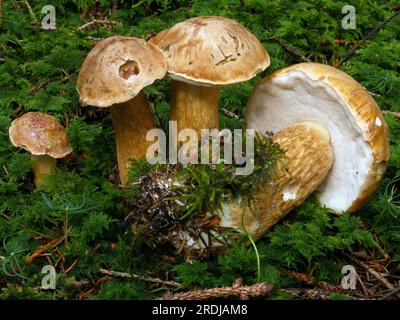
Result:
pixel 76 221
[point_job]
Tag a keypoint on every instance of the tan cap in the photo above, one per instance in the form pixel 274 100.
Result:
pixel 40 134
pixel 328 96
pixel 211 51
pixel 117 69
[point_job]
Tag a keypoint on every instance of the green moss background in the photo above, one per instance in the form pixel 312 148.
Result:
pixel 80 212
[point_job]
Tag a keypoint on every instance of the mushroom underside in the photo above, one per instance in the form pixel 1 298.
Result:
pixel 294 97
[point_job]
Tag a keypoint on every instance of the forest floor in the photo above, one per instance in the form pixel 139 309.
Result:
pixel 77 221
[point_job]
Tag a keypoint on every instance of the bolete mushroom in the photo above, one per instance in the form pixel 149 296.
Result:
pixel 44 137
pixel 204 54
pixel 333 99
pixel 113 75
pixel 306 160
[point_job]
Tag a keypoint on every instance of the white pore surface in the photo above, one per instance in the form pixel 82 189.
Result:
pixel 294 97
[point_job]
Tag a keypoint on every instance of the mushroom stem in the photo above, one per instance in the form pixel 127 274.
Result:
pixel 194 107
pixel 131 121
pixel 43 166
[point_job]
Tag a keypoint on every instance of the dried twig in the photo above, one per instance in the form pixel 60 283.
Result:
pixel 377 245
pixel 325 286
pixel 293 51
pixel 5 170
pixel 391 113
pixel 94 22
pixel 42 249
pixel 78 284
pixel 391 293
pixel 40 86
pixel 310 294
pixel 375 273
pixel 30 11
pixel 94 38
pixel 229 114
pixel 236 290
pixel 374 94
pixel 135 276
pixel 345 42
pixel 310 280
pixel 353 50
pixel 365 290
pixel 84 295
pixel 73 264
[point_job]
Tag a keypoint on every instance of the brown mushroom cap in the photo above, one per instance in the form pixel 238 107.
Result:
pixel 211 51
pixel 117 69
pixel 40 134
pixel 328 96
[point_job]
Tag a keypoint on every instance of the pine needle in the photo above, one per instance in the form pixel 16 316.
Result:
pixel 236 290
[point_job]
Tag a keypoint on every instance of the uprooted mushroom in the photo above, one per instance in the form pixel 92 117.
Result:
pixel 333 99
pixel 44 137
pixel 113 75
pixel 203 55
pixel 306 162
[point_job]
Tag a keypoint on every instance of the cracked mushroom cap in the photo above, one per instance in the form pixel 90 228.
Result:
pixel 211 51
pixel 40 134
pixel 117 69
pixel 328 96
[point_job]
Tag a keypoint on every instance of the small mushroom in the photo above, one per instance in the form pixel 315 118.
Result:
pixel 204 54
pixel 44 137
pixel 333 99
pixel 113 75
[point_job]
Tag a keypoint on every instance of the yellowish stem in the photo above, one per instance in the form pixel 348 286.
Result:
pixel 194 107
pixel 131 121
pixel 43 166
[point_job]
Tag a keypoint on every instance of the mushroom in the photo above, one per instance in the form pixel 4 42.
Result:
pixel 333 99
pixel 306 160
pixel 204 54
pixel 113 75
pixel 44 137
